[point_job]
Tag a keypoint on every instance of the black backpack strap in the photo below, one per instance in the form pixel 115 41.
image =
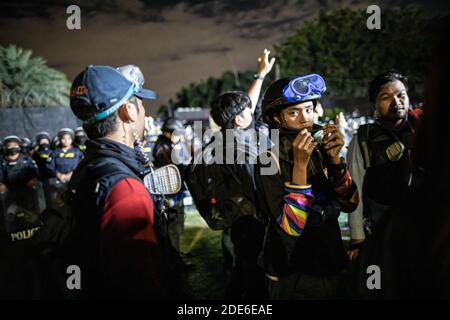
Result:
pixel 364 144
pixel 108 176
pixel 363 141
pixel 110 168
pixel 368 136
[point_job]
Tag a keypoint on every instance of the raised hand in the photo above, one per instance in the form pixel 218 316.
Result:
pixel 264 65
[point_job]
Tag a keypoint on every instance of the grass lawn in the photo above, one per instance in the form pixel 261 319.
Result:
pixel 206 276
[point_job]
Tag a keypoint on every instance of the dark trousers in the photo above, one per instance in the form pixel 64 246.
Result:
pixel 175 224
pixel 247 278
pixel 299 286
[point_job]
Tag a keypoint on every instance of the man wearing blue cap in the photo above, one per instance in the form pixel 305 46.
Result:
pixel 116 244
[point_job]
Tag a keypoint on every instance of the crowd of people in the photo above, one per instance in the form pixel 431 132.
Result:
pixel 32 174
pixel 280 230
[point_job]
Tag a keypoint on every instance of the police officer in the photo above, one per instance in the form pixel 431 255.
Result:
pixel 65 158
pixel 18 174
pixel 80 139
pixel 25 146
pixel 63 162
pixel 20 192
pixel 42 154
pixel 55 143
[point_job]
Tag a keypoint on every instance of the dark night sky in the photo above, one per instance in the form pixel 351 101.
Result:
pixel 174 42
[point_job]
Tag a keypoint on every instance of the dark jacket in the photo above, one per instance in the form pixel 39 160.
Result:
pixel 296 240
pixel 385 181
pixel 42 157
pixel 117 251
pixel 15 174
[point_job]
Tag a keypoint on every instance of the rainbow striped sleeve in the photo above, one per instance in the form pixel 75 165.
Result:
pixel 294 214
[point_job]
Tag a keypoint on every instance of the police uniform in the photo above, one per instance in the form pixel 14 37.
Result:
pixel 20 211
pixel 42 156
pixel 80 139
pixel 25 145
pixel 148 149
pixel 15 175
pixel 82 148
pixel 64 161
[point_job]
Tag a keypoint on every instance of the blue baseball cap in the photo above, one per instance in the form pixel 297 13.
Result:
pixel 99 91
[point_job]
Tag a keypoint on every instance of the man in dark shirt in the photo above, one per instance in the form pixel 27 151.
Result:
pixel 116 243
pixel 232 111
pixel 379 155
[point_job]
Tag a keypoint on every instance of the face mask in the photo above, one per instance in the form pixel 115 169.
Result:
pixel 44 147
pixel 12 151
pixel 80 140
pixel 289 132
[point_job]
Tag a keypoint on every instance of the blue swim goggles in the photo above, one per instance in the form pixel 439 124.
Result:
pixel 300 89
pixel 304 88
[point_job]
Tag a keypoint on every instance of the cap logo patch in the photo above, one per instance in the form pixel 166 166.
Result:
pixel 78 91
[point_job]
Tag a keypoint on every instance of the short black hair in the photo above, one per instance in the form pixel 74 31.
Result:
pixel 227 106
pixel 102 128
pixel 382 79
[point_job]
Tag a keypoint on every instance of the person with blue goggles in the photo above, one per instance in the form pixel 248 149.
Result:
pixel 303 253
